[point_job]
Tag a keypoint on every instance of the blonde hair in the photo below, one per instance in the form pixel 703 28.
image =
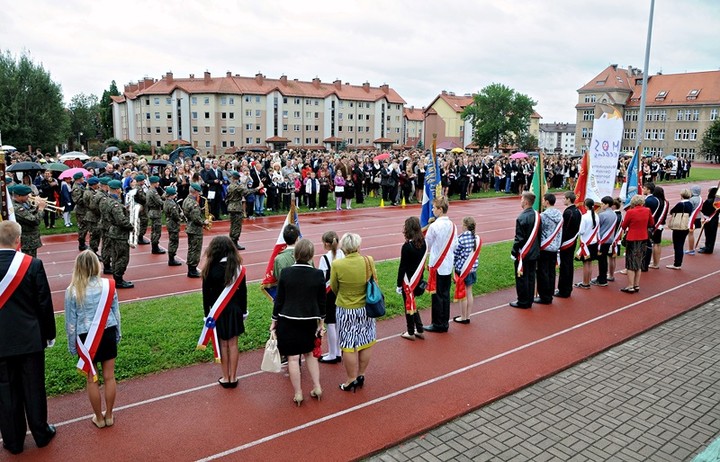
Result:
pixel 9 233
pixel 350 243
pixel 87 266
pixel 636 200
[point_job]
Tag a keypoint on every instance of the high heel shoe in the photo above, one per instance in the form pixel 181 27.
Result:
pixel 298 399
pixel 349 386
pixel 316 393
pixel 360 381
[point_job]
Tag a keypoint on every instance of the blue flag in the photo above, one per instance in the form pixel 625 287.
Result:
pixel 631 185
pixel 431 187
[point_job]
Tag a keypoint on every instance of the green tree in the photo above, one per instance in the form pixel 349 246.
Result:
pixel 31 105
pixel 420 144
pixel 343 146
pixel 527 142
pixel 711 141
pixel 106 119
pixel 84 118
pixel 498 115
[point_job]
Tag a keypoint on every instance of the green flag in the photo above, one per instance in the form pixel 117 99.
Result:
pixel 538 183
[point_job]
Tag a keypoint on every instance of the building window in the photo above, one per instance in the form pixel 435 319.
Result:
pixel 693 134
pixel 248 127
pixel 285 127
pixel 207 115
pixel 207 144
pixel 296 114
pixel 257 127
pixel 661 134
pixel 589 98
pixel 257 113
pixel 231 130
pixel 168 115
pixel 169 130
pixel 207 130
pixel 223 115
pixel 207 101
pixel 285 114
pixel 156 101
pixel 147 102
pixel 195 129
pixel 296 128
pixel 296 101
pixel 257 140
pixel 284 99
pixel 147 115
pixel 248 140
pixel 713 114
pixel 158 144
pixel 148 130
pixel 678 133
pixel 193 100
pixel 231 101
pixel 193 115
pixel 257 99
pixel 248 112
pixel 157 116
pixel 223 100
pixel 223 130
pixel 588 114
pixel 224 144
pixel 696 115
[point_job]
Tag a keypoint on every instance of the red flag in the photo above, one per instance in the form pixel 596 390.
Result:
pixel 581 184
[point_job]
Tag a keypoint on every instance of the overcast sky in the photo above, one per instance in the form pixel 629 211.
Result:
pixel 546 49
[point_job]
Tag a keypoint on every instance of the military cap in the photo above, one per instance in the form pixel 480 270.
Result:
pixel 115 184
pixel 105 180
pixel 154 179
pixel 93 180
pixel 196 187
pixel 170 191
pixel 78 175
pixel 236 174
pixel 21 190
pixel 140 177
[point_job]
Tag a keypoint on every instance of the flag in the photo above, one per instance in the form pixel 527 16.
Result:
pixel 432 186
pixel 581 184
pixel 539 185
pixel 632 183
pixel 269 283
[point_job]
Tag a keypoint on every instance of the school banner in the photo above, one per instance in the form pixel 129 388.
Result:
pixel 604 152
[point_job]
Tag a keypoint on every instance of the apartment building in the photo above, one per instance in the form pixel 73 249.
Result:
pixel 558 138
pixel 218 114
pixel 679 108
pixel 414 121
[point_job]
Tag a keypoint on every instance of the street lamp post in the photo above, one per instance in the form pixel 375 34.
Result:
pixel 80 134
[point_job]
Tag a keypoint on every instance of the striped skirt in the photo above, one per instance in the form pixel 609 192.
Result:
pixel 355 330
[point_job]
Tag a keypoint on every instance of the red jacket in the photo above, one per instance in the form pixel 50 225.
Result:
pixel 637 221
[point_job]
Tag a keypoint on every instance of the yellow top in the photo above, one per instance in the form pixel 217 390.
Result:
pixel 348 280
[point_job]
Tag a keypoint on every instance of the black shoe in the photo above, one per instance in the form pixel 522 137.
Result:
pixel 123 284
pixel 173 262
pixel 239 247
pixel 14 451
pixel 434 328
pixel 157 250
pixel 335 360
pixel 540 301
pixel 193 272
pixel 595 282
pixel 350 386
pixel 704 250
pixel 108 270
pixel 51 432
pixel 558 294
pixel 143 241
pixel 515 304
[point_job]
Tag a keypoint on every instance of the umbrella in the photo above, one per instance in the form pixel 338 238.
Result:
pixel 183 151
pixel 125 155
pixel 670 157
pixel 441 150
pixel 457 150
pixel 56 167
pixel 576 156
pixel 112 149
pixel 519 155
pixel 7 147
pixel 160 162
pixel 25 167
pixel 629 154
pixel 95 164
pixel 74 155
pixel 72 171
pixel 383 156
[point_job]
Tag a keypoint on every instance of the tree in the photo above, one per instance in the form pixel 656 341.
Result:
pixel 527 142
pixel 420 144
pixel 84 118
pixel 31 105
pixel 711 141
pixel 499 114
pixel 106 119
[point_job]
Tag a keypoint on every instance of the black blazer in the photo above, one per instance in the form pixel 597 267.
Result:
pixel 27 321
pixel 300 294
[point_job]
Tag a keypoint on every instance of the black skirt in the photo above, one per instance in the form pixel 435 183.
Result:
pixel 296 336
pixel 108 345
pixel 330 308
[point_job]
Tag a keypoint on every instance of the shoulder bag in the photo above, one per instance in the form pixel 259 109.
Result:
pixel 271 357
pixel 679 221
pixel 374 299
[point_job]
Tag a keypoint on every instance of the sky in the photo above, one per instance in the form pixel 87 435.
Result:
pixel 546 49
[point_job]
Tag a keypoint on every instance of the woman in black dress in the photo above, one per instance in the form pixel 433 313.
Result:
pixel 222 265
pixel 298 316
pixel 411 255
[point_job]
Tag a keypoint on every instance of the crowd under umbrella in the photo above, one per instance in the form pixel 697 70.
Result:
pixel 96 164
pixel 56 167
pixel 159 162
pixel 519 155
pixel 74 155
pixel 25 167
pixel 670 157
pixel 111 149
pixel 7 147
pixel 383 156
pixel 69 173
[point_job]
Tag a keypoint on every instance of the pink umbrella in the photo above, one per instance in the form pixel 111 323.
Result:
pixel 519 155
pixel 72 171
pixel 383 156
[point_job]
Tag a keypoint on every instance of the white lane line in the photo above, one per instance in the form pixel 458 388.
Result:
pixel 442 377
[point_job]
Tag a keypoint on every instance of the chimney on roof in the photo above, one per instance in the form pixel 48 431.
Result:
pixel 338 84
pixel 412 108
pixel 207 77
pixel 192 76
pixel 366 87
pixel 385 88
pixel 452 93
pixel 169 77
pixel 444 93
pixel 283 79
pixel 228 74
pixel 148 81
pixel 316 82
pixel 614 66
pixel 259 78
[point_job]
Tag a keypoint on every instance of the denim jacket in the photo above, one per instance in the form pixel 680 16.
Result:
pixel 78 317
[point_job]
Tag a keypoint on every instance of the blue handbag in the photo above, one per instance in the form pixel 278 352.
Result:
pixel 374 299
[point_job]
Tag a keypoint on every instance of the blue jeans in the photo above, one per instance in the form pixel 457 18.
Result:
pixel 259 204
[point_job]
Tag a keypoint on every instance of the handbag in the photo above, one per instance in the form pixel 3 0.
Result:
pixel 374 299
pixel 420 288
pixel 271 356
pixel 679 222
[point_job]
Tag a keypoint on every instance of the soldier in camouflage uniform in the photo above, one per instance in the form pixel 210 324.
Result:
pixel 92 214
pixel 104 203
pixel 195 217
pixel 78 193
pixel 29 219
pixel 155 209
pixel 118 234
pixel 172 219
pixel 141 198
pixel 235 195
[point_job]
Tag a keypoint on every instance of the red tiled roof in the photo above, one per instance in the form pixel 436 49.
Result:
pixel 613 78
pixel 678 88
pixel 383 140
pixel 180 142
pixel 277 139
pixel 414 114
pixel 333 139
pixel 457 103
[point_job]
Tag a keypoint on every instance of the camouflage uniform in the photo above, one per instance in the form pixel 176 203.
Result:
pixel 141 198
pixel 172 220
pixel 104 207
pixel 29 219
pixel 118 234
pixel 78 196
pixel 195 220
pixel 235 194
pixel 92 217
pixel 155 209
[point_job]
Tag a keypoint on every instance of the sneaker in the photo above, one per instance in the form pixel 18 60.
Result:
pixel 596 283
pixel 654 266
pixel 611 279
pixel 689 252
pixel 407 336
pixel 580 285
pixel 673 267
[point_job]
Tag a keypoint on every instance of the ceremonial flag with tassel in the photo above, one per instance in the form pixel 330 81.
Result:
pixel 539 183
pixel 269 284
pixel 581 184
pixel 432 185
pixel 633 180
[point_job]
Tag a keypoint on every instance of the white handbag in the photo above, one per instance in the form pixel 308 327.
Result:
pixel 271 357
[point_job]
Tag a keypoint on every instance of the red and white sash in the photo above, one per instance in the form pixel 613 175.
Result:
pixel 584 251
pixel 208 330
pixel 87 349
pixel 605 238
pixel 569 243
pixel 615 247
pixel 15 273
pixel 432 269
pixel 529 243
pixel 693 216
pixel 660 220
pixel 409 285
pixel 460 289
pixel 545 243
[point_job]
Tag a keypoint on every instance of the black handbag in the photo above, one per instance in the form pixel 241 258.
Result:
pixel 420 288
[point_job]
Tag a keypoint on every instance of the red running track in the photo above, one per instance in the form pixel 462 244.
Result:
pixel 380 228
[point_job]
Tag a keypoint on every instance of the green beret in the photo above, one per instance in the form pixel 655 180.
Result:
pixel 140 177
pixel 78 175
pixel 115 184
pixel 170 191
pixel 8 180
pixel 93 180
pixel 11 188
pixel 21 190
pixel 236 174
pixel 196 187
pixel 154 179
pixel 105 180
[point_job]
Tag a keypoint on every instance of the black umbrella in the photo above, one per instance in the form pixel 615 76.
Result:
pixel 25 167
pixel 159 162
pixel 112 149
pixel 96 164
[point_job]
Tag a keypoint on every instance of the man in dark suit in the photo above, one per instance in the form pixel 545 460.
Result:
pixel 525 251
pixel 27 326
pixel 212 177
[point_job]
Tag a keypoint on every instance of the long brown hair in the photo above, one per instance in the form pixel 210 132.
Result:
pixel 413 232
pixel 331 239
pixel 219 248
